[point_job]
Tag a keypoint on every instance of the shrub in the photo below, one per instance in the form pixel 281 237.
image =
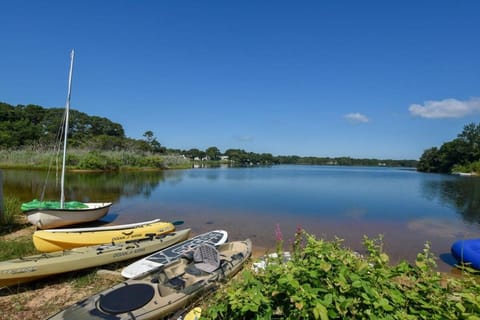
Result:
pixel 97 161
pixel 470 167
pixel 154 161
pixel 325 280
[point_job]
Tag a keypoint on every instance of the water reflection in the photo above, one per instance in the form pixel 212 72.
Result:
pixel 81 186
pixel 444 228
pixel 460 193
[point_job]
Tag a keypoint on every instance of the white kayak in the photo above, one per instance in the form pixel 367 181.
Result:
pixel 155 261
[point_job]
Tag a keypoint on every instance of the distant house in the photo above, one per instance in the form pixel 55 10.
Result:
pixel 223 157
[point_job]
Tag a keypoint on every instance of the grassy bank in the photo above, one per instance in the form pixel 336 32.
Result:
pixel 78 159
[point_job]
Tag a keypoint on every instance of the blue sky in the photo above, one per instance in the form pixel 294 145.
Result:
pixel 376 79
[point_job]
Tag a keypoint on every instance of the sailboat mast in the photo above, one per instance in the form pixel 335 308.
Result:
pixel 67 113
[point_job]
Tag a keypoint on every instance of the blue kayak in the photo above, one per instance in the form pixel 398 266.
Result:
pixel 467 252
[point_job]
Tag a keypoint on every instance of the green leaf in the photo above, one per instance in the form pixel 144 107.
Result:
pixel 460 307
pixel 384 258
pixel 320 312
pixel 325 266
pixel 327 299
pixel 384 303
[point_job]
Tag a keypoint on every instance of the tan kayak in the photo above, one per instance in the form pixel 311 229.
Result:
pixel 38 266
pixel 64 239
pixel 166 291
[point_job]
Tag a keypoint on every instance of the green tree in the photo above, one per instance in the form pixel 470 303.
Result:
pixel 471 136
pixel 460 152
pixel 429 161
pixel 193 153
pixel 153 143
pixel 237 155
pixel 455 152
pixel 213 153
pixel 34 125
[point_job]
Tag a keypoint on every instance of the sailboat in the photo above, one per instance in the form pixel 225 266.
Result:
pixel 54 214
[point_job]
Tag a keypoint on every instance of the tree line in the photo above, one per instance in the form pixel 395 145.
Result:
pixel 33 126
pixel 462 154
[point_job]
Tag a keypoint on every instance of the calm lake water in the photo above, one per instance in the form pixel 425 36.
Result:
pixel 407 207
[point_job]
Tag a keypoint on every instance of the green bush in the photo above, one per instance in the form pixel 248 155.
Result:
pixel 154 162
pixel 468 168
pixel 475 167
pixel 324 280
pixel 98 161
pixel 131 160
pixel 72 160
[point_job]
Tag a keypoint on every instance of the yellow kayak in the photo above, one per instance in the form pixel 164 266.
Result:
pixel 64 239
pixel 193 314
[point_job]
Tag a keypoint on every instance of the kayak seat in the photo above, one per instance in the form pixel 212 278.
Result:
pixel 188 255
pixel 194 271
pixel 206 258
pixel 126 298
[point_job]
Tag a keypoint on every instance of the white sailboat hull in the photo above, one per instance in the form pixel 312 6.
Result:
pixel 55 218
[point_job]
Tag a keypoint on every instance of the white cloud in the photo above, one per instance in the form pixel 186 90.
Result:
pixel 448 108
pixel 356 118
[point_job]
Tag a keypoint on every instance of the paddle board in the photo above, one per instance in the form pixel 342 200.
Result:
pixel 153 262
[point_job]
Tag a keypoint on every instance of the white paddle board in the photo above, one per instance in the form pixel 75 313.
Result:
pixel 153 262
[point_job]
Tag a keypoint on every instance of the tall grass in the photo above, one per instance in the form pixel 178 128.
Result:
pixel 11 213
pixel 26 159
pixel 11 220
pixel 91 160
pixel 19 247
